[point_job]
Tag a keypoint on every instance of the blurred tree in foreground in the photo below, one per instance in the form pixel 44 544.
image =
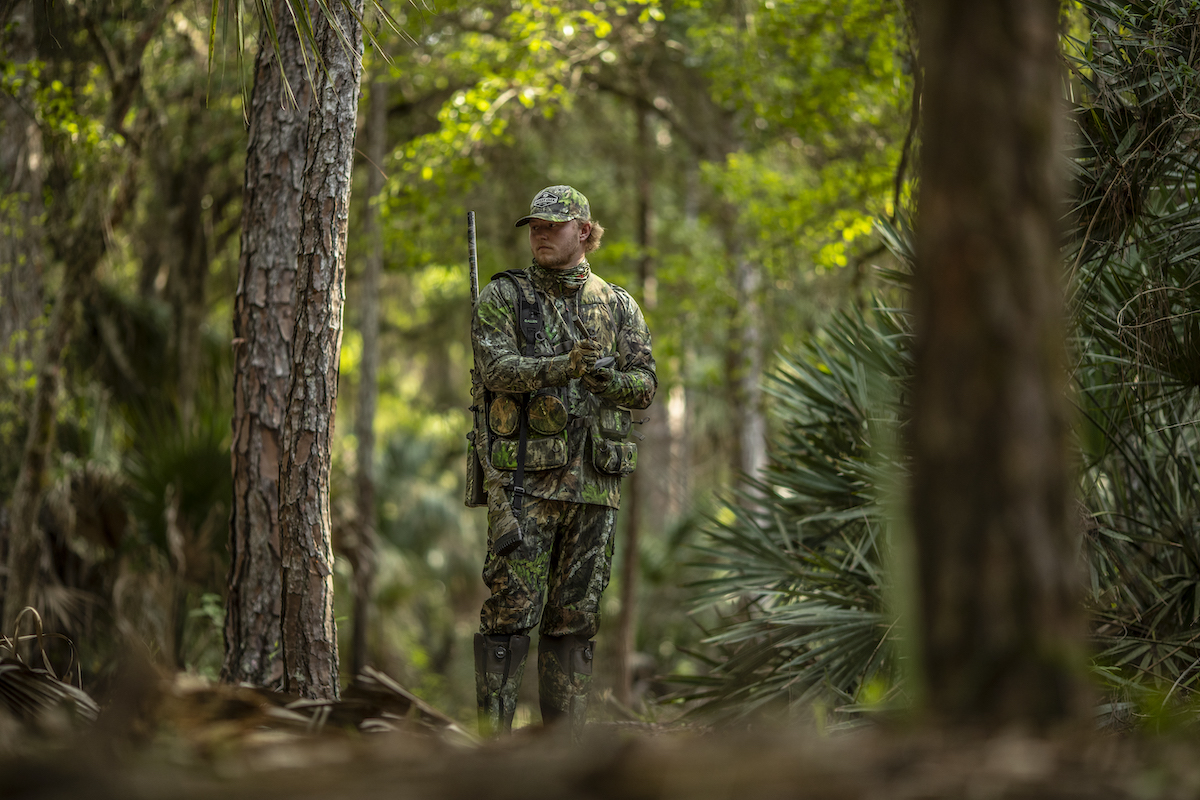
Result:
pixel 999 623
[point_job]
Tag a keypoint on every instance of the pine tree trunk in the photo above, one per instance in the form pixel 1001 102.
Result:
pixel 264 314
pixel 310 652
pixel 364 419
pixel 999 590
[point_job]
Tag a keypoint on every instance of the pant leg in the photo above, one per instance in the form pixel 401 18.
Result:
pixel 519 581
pixel 580 572
pixel 580 568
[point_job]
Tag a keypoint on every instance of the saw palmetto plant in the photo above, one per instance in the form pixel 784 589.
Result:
pixel 798 565
pixel 799 571
pixel 1136 289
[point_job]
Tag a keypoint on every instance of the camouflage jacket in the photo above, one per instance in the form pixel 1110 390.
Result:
pixel 584 462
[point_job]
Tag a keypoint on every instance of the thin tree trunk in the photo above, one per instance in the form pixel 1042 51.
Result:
pixel 636 483
pixel 25 537
pixel 264 314
pixel 999 588
pixel 364 420
pixel 21 248
pixel 81 244
pixel 752 427
pixel 22 255
pixel 679 447
pixel 189 277
pixel 310 652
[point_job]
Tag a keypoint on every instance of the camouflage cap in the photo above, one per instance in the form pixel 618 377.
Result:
pixel 558 204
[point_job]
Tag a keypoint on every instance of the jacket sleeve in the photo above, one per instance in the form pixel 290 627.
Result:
pixel 633 381
pixel 497 352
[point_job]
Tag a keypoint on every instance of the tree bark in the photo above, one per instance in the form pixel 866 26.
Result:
pixel 999 589
pixel 310 652
pixel 264 315
pixel 364 421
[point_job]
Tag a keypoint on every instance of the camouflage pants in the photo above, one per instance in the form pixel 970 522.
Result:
pixel 556 576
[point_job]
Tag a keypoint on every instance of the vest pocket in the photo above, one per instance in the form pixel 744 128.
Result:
pixel 614 458
pixel 615 422
pixel 549 452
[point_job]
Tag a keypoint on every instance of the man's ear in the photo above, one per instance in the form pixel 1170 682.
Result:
pixel 585 230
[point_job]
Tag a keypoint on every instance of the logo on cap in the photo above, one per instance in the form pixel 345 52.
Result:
pixel 545 199
pixel 557 204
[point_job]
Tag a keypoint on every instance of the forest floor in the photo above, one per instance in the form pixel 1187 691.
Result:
pixel 228 744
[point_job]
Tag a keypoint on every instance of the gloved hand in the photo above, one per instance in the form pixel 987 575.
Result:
pixel 598 379
pixel 583 357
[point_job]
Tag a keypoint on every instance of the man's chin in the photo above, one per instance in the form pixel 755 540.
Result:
pixel 550 263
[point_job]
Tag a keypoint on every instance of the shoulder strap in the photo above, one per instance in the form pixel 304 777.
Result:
pixel 529 310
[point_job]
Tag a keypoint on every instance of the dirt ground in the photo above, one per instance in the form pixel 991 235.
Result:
pixel 228 744
pixel 626 762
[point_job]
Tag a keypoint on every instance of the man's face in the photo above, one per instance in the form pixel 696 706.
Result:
pixel 557 245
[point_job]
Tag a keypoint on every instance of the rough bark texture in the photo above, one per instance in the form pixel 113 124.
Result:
pixel 364 420
pixel 263 319
pixel 998 581
pixel 309 634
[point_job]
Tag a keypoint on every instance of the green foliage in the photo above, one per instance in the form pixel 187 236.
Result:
pixel 488 103
pixel 799 565
pixel 1130 250
pixel 1138 336
pixel 528 94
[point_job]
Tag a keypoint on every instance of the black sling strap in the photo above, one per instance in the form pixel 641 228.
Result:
pixel 529 320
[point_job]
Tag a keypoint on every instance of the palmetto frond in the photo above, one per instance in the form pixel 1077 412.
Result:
pixel 798 565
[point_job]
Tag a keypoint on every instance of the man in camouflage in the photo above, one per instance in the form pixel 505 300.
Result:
pixel 578 366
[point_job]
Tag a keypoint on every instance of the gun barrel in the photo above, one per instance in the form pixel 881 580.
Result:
pixel 472 259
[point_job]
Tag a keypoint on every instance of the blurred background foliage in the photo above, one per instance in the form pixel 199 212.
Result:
pixel 752 162
pixel 769 134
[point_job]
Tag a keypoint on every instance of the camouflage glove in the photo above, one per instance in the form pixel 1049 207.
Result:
pixel 598 380
pixel 583 357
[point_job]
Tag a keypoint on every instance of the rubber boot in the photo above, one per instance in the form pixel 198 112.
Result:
pixel 499 663
pixel 564 678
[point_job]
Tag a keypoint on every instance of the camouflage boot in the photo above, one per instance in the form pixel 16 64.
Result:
pixel 564 676
pixel 499 662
